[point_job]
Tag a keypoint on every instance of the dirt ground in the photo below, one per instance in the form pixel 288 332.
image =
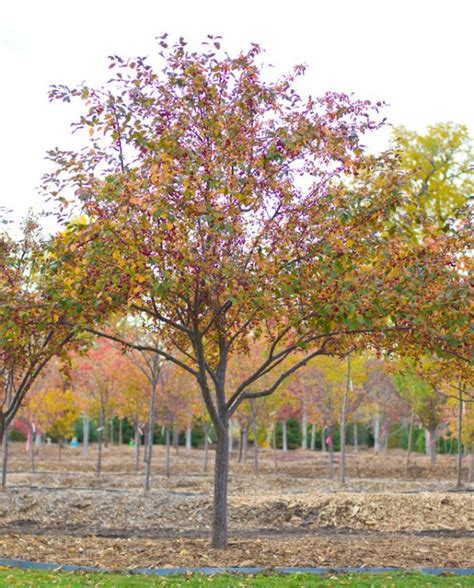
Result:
pixel 290 515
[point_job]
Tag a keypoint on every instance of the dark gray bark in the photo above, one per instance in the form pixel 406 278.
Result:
pixel 356 437
pixel 231 437
pixel 207 430
pixel 219 523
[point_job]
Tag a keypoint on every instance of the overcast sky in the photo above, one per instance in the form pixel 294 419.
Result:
pixel 415 54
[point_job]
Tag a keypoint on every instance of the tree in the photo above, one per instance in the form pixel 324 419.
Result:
pixel 440 163
pixel 98 377
pixel 56 411
pixel 383 405
pixel 227 209
pixel 36 323
pixel 150 365
pixel 53 376
pixel 424 399
pixel 452 381
pixel 31 329
pixel 132 400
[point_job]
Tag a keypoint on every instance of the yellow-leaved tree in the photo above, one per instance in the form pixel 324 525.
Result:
pixel 56 411
pixel 441 175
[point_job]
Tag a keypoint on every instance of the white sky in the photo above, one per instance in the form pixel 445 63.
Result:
pixel 415 54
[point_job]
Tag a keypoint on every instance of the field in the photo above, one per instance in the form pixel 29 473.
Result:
pixel 289 516
pixel 10 578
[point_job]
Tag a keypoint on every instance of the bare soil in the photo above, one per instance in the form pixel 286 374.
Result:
pixel 290 515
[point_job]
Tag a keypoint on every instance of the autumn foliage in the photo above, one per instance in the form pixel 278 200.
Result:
pixel 224 213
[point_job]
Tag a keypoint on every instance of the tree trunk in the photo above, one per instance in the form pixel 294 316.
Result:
pixel 330 454
pixel 5 443
pixel 304 429
pixel 32 452
pixel 85 435
pixel 471 466
pixel 151 430
pixel 410 440
pixel 176 438
pixel 188 438
pixel 356 438
pixel 105 432
pixel 427 442
pixel 312 442
pixel 207 430
pixel 111 424
pixel 342 466
pixel 284 440
pixel 6 432
pixel 431 445
pixel 99 453
pixel 459 457
pixel 255 448
pixel 245 444
pixel 120 433
pixel 323 439
pixel 275 460
pixel 137 446
pixel 168 444
pixel 241 444
pixel 231 437
pixel 377 430
pixel 219 524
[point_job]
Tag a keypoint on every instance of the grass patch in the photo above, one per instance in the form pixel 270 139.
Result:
pixel 41 579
